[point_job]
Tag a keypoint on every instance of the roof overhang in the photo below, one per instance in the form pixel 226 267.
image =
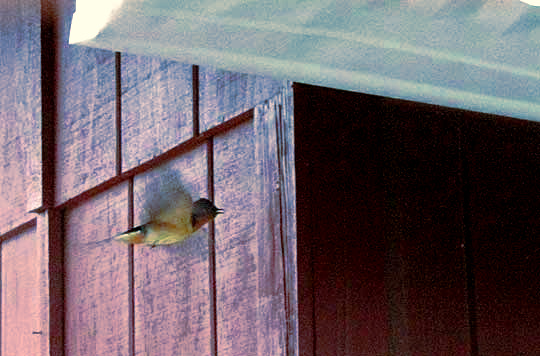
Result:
pixel 476 55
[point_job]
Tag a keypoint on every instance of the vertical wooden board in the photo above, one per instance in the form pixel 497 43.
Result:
pixel 424 223
pixel 272 253
pixel 20 109
pixel 224 95
pixel 378 186
pixel 286 156
pixel 157 107
pixel 96 276
pixel 51 297
pixel 504 170
pixel 341 242
pixel 237 271
pixel 86 128
pixel 171 281
pixel 21 295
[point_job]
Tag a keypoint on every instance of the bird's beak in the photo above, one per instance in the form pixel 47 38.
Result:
pixel 219 211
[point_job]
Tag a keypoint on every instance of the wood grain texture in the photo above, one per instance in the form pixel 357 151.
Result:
pixel 379 190
pixel 236 241
pixel 21 258
pixel 157 107
pixel 96 276
pixel 341 247
pixel 49 232
pixel 20 109
pixel 287 147
pixel 249 265
pixel 171 282
pixel 224 94
pixel 276 230
pixel 425 262
pixel 86 129
pixel 504 169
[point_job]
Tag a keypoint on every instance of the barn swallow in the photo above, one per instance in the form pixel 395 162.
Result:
pixel 173 224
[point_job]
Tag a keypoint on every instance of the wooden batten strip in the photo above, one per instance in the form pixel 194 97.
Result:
pixel 56 268
pixel 131 274
pixel 195 88
pixel 212 252
pixel 18 229
pixel 118 110
pixel 50 60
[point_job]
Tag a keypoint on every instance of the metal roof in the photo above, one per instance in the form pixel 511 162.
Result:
pixel 477 55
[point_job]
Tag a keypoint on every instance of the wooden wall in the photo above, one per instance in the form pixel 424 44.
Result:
pixel 417 224
pixel 117 125
pixel 210 294
pixel 418 228
pixel 20 109
pixel 24 247
pixel 198 125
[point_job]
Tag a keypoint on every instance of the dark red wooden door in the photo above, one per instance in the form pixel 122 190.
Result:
pixel 417 228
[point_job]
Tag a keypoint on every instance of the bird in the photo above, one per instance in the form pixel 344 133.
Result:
pixel 173 224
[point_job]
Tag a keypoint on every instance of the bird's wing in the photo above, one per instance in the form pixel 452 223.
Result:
pixel 166 199
pixel 168 208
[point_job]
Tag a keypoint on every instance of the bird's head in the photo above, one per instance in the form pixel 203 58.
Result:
pixel 203 211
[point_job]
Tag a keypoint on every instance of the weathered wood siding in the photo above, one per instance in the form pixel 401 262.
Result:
pixel 86 129
pixel 96 276
pixel 123 122
pixel 221 291
pixel 157 107
pixel 20 295
pixel 225 94
pixel 23 249
pixel 20 111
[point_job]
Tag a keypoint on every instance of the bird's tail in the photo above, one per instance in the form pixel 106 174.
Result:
pixel 132 236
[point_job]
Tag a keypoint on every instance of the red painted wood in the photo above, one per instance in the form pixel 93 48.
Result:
pixel 424 219
pixel 96 276
pixel 379 190
pixel 341 247
pixel 171 282
pixel 21 295
pixel 86 131
pixel 20 111
pixel 224 95
pixel 504 170
pixel 156 107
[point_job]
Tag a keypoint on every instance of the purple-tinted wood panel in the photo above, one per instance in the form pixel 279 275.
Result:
pixel 20 111
pixel 504 169
pixel 275 226
pixel 249 270
pixel 86 145
pixel 236 183
pixel 224 95
pixel 96 276
pixel 22 291
pixel 171 281
pixel 157 107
